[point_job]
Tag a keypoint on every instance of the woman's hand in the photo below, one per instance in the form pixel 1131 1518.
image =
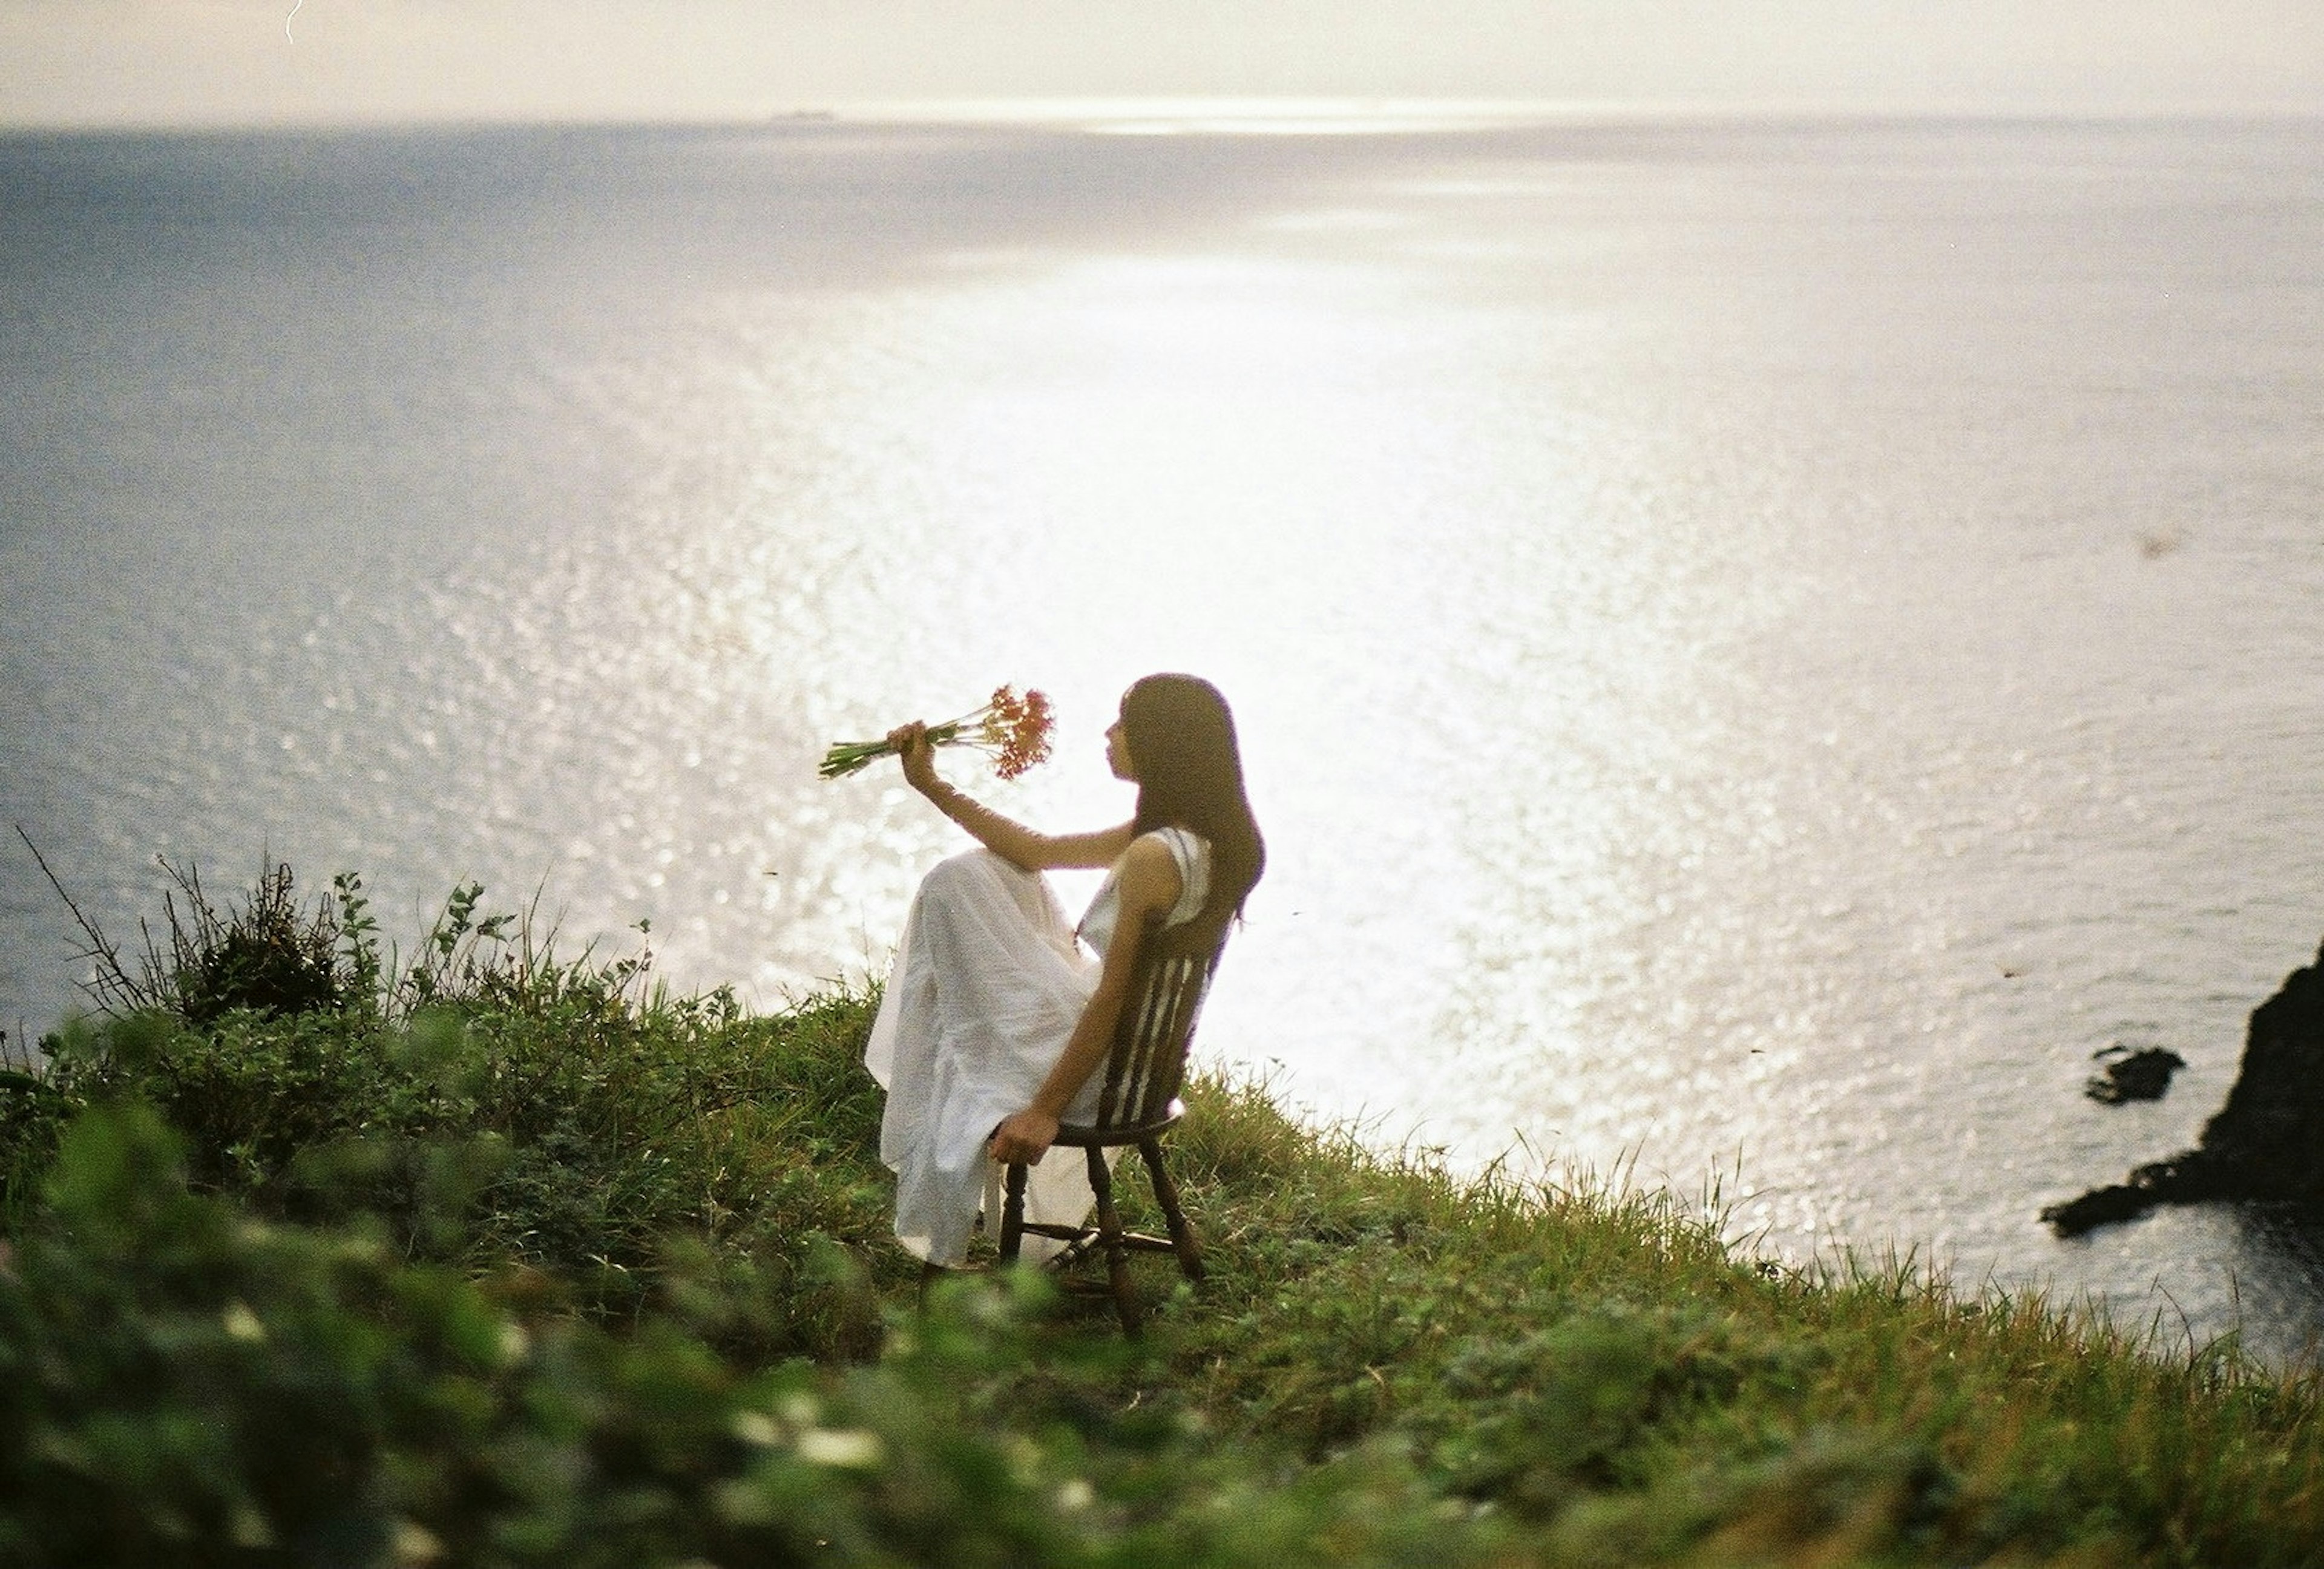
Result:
pixel 1024 1136
pixel 920 759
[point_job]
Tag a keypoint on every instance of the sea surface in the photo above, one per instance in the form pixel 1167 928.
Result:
pixel 1761 647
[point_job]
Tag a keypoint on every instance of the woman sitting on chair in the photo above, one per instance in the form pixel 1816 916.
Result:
pixel 996 1018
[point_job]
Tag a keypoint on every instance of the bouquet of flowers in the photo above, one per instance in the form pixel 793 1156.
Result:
pixel 1015 729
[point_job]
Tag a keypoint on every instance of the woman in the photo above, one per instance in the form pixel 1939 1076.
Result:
pixel 996 1020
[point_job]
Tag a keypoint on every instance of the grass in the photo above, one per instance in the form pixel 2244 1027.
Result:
pixel 496 1257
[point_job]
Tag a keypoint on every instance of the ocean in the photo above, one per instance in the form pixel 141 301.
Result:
pixel 1760 646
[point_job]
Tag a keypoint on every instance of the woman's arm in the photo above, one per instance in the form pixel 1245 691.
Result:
pixel 1151 882
pixel 1010 840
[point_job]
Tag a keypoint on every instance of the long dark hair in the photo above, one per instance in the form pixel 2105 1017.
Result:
pixel 1182 747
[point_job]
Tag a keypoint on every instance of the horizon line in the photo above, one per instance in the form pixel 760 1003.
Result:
pixel 1202 114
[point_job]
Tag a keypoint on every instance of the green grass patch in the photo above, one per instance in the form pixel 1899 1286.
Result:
pixel 499 1259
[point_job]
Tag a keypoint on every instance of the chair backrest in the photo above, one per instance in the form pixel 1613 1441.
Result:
pixel 1148 1059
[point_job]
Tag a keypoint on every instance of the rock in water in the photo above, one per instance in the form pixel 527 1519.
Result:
pixel 2267 1142
pixel 2133 1076
pixel 2101 1206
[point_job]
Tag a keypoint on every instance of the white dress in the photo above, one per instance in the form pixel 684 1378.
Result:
pixel 988 984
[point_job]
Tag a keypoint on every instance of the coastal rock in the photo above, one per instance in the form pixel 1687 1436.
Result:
pixel 2267 1143
pixel 2133 1076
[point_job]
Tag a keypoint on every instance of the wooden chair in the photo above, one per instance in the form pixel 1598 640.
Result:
pixel 1137 1105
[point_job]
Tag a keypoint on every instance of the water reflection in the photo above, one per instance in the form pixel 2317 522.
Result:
pixel 2278 1284
pixel 1685 598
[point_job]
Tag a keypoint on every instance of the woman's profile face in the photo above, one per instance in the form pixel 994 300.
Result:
pixel 1116 751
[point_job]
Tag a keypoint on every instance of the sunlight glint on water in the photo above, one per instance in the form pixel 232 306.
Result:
pixel 1757 649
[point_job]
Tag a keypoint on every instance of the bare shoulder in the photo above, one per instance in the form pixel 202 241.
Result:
pixel 1150 879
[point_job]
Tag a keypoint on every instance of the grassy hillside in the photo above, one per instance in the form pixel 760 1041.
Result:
pixel 493 1258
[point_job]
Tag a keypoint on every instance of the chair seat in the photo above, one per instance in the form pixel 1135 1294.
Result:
pixel 1083 1136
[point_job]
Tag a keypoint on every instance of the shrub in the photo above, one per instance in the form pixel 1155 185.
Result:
pixel 181 1385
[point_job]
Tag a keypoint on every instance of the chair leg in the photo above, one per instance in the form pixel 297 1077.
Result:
pixel 1188 1252
pixel 1117 1255
pixel 1012 1213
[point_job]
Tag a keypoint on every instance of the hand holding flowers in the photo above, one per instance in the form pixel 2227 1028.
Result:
pixel 1013 730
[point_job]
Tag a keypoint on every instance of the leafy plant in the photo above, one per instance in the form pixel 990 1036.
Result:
pixel 265 955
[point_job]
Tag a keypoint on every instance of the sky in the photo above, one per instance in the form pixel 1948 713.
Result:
pixel 234 62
